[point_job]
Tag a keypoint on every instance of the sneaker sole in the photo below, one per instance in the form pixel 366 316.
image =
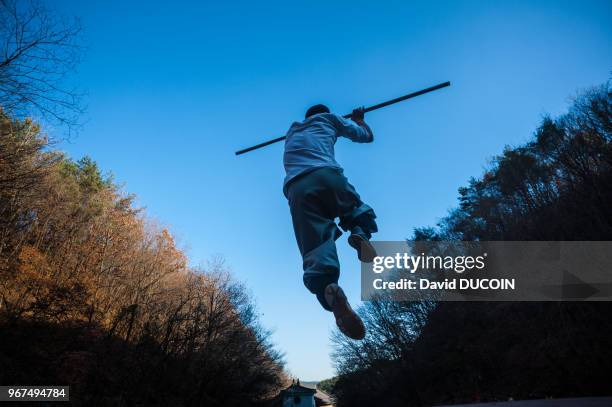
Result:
pixel 349 323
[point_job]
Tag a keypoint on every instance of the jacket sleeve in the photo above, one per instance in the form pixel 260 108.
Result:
pixel 351 130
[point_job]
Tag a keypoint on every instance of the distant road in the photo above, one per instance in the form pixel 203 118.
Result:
pixel 578 402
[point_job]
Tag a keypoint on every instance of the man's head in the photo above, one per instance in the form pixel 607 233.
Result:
pixel 316 109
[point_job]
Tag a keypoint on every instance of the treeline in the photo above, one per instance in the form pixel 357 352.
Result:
pixel 558 186
pixel 95 295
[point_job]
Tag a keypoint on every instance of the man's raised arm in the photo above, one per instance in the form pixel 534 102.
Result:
pixel 354 129
pixel 358 117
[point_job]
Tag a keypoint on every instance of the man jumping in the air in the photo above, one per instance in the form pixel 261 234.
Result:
pixel 318 193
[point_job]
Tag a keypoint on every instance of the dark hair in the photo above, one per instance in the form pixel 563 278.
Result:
pixel 316 109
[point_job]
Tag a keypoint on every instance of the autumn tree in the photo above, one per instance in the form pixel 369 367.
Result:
pixel 88 281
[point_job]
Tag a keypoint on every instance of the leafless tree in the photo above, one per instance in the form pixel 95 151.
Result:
pixel 38 50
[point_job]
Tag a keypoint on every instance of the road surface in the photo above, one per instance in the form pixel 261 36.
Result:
pixel 577 402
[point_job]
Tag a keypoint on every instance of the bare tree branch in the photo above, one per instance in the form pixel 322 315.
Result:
pixel 37 52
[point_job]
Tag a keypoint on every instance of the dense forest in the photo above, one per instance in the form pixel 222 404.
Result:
pixel 558 186
pixel 94 294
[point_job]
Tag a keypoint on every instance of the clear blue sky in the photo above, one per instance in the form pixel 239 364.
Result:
pixel 176 87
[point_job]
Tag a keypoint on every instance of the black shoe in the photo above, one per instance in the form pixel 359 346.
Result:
pixel 347 320
pixel 365 250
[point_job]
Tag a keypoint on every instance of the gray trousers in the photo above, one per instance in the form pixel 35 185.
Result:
pixel 316 199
